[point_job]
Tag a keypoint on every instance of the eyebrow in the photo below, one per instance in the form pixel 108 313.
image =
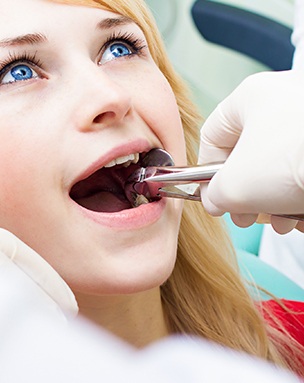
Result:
pixel 28 39
pixel 112 22
pixel 38 38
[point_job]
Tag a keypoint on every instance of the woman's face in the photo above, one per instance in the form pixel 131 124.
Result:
pixel 79 90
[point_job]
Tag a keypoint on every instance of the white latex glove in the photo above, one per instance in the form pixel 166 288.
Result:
pixel 28 269
pixel 259 131
pixel 298 35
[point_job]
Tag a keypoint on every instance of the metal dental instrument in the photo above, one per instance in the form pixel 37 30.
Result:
pixel 177 182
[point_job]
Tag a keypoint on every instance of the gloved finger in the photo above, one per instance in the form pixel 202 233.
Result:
pixel 32 264
pixel 244 220
pixel 300 226
pixel 283 225
pixel 208 205
pixel 21 254
pixel 220 133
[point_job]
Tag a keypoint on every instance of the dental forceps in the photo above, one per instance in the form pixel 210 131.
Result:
pixel 177 182
pixel 184 182
pixel 173 182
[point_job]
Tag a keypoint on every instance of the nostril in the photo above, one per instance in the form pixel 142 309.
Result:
pixel 103 117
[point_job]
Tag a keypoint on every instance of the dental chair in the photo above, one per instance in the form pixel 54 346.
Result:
pixel 253 35
pixel 267 42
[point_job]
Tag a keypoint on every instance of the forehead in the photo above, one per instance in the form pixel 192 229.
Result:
pixel 17 17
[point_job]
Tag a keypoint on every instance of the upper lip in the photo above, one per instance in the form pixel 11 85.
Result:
pixel 111 155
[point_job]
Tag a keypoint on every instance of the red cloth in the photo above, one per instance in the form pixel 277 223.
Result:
pixel 294 323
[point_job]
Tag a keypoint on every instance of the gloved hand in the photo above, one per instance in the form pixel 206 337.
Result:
pixel 19 262
pixel 297 37
pixel 259 132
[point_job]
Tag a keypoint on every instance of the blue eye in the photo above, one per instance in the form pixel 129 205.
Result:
pixel 19 72
pixel 115 51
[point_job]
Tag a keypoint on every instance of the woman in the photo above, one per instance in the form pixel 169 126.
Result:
pixel 86 90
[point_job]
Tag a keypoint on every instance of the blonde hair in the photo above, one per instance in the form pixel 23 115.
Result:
pixel 205 295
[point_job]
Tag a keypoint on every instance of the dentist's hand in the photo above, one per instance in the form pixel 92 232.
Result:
pixel 259 131
pixel 20 263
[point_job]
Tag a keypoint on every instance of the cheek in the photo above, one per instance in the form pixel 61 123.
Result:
pixel 20 176
pixel 172 132
pixel 16 188
pixel 158 107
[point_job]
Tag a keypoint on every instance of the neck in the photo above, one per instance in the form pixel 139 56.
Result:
pixel 138 318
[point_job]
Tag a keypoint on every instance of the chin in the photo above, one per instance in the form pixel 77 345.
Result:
pixel 126 274
pixel 120 262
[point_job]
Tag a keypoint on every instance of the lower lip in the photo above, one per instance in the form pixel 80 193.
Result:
pixel 129 219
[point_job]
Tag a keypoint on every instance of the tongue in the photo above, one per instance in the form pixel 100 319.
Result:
pixel 104 201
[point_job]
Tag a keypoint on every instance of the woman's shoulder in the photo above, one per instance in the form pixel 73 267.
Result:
pixel 290 314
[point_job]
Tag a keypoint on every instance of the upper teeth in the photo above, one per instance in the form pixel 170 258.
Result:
pixel 125 160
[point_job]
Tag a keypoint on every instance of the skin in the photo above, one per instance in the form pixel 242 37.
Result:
pixel 81 109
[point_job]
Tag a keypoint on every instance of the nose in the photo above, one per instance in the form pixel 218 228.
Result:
pixel 101 99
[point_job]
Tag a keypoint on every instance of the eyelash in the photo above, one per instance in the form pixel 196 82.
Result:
pixel 135 44
pixel 16 58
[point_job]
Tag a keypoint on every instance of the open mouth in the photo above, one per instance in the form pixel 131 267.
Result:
pixel 106 191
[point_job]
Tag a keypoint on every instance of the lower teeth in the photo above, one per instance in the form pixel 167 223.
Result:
pixel 140 199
